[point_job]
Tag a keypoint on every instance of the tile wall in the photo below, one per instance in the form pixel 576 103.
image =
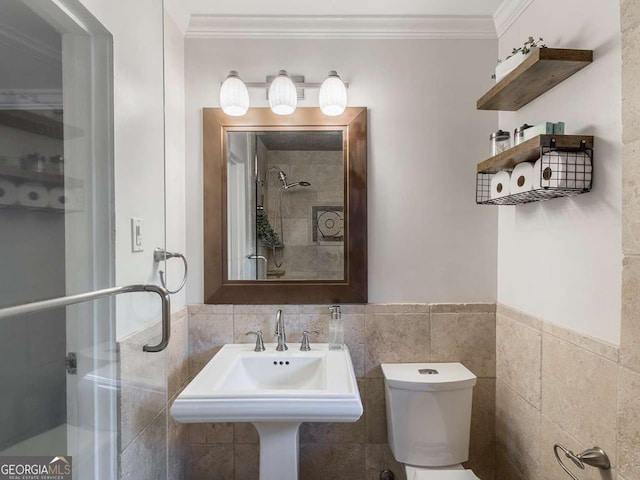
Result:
pixel 558 386
pixel 149 382
pixel 628 432
pixel 303 258
pixel 374 334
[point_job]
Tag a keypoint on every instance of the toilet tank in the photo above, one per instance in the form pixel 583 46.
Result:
pixel 429 412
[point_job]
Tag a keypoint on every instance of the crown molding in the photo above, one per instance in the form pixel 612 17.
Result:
pixel 178 14
pixel 507 13
pixel 342 27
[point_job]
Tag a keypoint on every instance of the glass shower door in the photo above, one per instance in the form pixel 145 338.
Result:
pixel 246 261
pixel 62 389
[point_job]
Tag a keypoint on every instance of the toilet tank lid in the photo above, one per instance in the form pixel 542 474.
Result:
pixel 428 376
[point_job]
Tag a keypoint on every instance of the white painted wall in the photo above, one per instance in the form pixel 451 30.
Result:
pixel 561 260
pixel 137 29
pixel 175 148
pixel 428 241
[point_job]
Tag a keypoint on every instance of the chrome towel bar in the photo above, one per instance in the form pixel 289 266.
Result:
pixel 107 292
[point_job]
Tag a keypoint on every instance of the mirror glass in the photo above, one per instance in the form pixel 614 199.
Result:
pixel 285 204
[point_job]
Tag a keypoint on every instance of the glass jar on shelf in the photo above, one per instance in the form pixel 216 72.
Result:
pixel 500 142
pixel 518 134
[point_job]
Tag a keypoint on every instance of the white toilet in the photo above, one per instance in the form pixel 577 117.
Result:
pixel 429 418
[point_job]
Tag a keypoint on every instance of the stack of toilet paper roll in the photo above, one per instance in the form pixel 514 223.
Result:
pixel 553 170
pixel 36 195
pixel 522 179
pixel 564 170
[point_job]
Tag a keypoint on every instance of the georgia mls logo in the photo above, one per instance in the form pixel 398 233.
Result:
pixel 62 463
pixel 35 468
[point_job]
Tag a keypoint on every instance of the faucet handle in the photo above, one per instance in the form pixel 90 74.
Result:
pixel 305 347
pixel 259 343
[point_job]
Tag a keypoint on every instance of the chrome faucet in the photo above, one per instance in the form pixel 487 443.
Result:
pixel 280 333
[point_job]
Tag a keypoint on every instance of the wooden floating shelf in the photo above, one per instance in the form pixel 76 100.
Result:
pixel 529 151
pixel 32 122
pixel 51 179
pixel 23 208
pixel 541 71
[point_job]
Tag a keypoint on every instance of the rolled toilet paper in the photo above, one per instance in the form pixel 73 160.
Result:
pixel 500 185
pixel 578 171
pixel 56 198
pixel 8 192
pixel 32 194
pixel 521 178
pixel 536 178
pixel 566 170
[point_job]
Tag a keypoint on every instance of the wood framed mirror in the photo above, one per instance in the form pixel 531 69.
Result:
pixel 285 207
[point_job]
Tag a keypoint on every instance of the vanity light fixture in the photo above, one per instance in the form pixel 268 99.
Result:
pixel 234 96
pixel 283 94
pixel 333 95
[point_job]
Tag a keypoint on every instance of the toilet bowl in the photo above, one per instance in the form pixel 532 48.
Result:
pixel 429 418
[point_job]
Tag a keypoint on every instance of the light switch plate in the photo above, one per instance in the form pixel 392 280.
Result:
pixel 137 235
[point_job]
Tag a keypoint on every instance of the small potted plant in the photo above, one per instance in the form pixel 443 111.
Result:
pixel 518 55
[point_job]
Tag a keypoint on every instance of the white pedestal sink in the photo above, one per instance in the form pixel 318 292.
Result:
pixel 276 391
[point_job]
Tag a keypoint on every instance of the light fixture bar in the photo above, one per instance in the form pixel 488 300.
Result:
pixel 297 84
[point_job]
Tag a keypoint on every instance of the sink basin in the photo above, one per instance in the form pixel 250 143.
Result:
pixel 276 391
pixel 240 385
pixel 251 373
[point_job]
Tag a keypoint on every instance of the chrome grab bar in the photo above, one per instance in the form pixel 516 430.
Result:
pixel 107 292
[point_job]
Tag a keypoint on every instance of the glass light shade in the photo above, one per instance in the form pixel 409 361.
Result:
pixel 234 96
pixel 283 96
pixel 333 95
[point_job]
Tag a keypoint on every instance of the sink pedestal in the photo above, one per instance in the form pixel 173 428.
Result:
pixel 278 450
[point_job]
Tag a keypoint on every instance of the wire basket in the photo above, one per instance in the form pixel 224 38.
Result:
pixel 563 173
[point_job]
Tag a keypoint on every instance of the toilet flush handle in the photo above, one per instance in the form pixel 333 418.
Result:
pixel 428 371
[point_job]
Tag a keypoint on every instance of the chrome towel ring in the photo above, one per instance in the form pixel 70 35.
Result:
pixel 594 457
pixel 160 255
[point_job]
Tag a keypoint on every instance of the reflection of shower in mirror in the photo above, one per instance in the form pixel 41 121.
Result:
pixel 276 180
pixel 278 253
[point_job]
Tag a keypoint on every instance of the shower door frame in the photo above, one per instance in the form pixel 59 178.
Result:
pixel 87 69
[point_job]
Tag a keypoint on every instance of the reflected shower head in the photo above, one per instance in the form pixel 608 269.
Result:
pixel 297 184
pixel 283 178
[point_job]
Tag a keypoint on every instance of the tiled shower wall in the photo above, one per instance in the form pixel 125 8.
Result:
pixel 375 334
pixel 303 258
